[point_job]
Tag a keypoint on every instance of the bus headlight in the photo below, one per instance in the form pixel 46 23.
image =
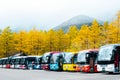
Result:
pixel 99 68
pixel 110 67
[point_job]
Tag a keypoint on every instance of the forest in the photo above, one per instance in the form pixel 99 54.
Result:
pixel 37 42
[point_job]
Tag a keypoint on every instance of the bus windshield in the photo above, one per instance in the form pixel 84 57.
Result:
pixel 17 60
pixel 91 55
pixel 68 57
pixel 31 60
pixel 40 60
pixel 45 59
pixel 105 53
pixel 4 61
pixel 12 61
pixel 22 60
pixel 81 56
pixel 75 58
pixel 7 61
pixel 54 58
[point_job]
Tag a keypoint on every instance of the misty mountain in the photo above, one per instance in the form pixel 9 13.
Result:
pixel 26 28
pixel 78 21
pixel 23 28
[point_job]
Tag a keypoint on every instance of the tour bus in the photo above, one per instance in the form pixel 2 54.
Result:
pixel 22 62
pixel 40 61
pixel 45 65
pixel 4 62
pixel 12 62
pixel 33 62
pixel 1 62
pixel 70 59
pixel 56 61
pixel 87 60
pixel 17 62
pixel 30 62
pixel 8 65
pixel 109 58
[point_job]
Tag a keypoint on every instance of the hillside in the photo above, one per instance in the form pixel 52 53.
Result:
pixel 78 21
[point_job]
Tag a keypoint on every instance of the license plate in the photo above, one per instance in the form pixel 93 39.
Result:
pixel 103 66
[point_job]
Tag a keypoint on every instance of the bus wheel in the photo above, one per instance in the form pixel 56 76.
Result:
pixel 109 72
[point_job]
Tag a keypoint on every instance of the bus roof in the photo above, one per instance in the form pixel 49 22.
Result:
pixel 48 53
pixel 34 56
pixel 108 45
pixel 74 52
pixel 4 58
pixel 89 50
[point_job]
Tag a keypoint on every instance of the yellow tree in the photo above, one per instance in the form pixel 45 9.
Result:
pixel 104 33
pixel 72 32
pixel 32 41
pixel 35 42
pixel 116 23
pixel 82 39
pixel 1 50
pixel 51 40
pixel 20 41
pixel 66 42
pixel 60 40
pixel 112 34
pixel 95 35
pixel 43 42
pixel 7 41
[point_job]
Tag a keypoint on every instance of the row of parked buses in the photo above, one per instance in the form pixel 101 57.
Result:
pixel 105 59
pixel 20 62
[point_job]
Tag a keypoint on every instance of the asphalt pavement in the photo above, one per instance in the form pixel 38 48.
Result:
pixel 16 74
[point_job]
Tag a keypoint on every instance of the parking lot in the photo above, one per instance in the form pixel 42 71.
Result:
pixel 15 74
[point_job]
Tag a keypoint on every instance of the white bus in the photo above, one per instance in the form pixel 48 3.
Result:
pixel 4 60
pixel 109 58
pixel 17 62
pixel 32 62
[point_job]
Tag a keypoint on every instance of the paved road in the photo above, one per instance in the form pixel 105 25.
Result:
pixel 14 74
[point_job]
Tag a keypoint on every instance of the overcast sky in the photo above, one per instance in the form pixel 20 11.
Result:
pixel 50 13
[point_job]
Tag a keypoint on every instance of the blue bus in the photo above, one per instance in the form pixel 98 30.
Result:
pixel 56 62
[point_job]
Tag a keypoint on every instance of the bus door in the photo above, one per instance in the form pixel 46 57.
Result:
pixel 60 62
pixel 91 64
pixel 117 61
pixel 40 60
pixel 90 61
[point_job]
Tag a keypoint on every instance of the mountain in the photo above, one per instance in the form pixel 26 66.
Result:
pixel 19 28
pixel 25 28
pixel 78 21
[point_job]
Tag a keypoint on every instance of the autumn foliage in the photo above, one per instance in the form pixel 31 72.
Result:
pixel 36 42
